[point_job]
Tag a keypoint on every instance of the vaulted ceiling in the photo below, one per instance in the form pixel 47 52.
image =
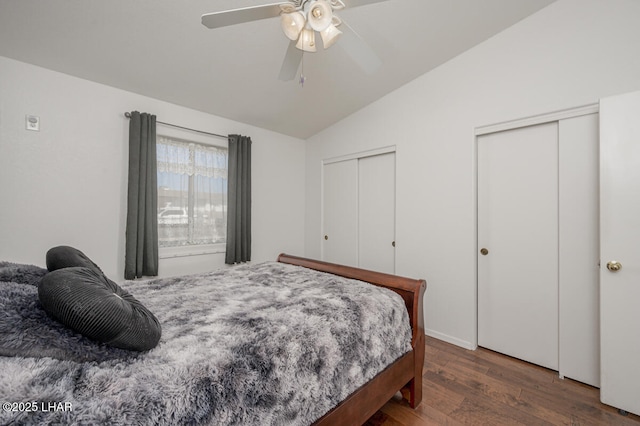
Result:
pixel 160 49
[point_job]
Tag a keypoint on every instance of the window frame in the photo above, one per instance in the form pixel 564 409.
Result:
pixel 186 136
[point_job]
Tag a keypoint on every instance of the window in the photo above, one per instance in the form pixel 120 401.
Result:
pixel 192 193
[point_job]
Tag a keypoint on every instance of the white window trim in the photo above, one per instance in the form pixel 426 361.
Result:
pixel 185 251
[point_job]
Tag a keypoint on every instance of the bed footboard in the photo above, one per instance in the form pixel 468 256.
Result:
pixel 405 374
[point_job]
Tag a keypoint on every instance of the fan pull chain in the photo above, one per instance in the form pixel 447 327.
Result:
pixel 302 76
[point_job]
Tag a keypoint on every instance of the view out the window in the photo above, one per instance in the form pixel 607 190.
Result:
pixel 192 193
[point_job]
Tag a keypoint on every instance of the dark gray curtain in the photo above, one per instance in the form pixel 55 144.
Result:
pixel 141 253
pixel 239 200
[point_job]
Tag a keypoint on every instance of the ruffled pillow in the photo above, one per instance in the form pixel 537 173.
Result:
pixel 27 331
pixel 68 257
pixel 86 301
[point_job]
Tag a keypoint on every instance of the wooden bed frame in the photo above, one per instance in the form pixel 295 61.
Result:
pixel 405 374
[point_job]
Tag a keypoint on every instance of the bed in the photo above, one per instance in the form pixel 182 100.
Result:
pixel 297 341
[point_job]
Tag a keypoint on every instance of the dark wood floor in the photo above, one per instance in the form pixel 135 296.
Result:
pixel 462 387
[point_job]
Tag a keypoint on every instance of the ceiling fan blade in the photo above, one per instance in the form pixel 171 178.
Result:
pixel 239 16
pixel 291 63
pixel 358 49
pixel 356 3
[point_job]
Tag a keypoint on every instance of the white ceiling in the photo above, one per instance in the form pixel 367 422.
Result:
pixel 160 49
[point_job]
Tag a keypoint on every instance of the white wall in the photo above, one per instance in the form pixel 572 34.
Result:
pixel 66 184
pixel 569 54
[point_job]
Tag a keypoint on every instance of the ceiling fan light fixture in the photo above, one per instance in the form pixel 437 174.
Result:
pixel 307 40
pixel 330 35
pixel 320 15
pixel 292 24
pixel 300 20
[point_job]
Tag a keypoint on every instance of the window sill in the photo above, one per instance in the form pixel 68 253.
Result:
pixel 202 250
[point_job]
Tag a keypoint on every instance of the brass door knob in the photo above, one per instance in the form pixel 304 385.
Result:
pixel 393 243
pixel 326 237
pixel 484 251
pixel 614 266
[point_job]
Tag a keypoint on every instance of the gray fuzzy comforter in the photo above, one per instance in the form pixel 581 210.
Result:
pixel 264 344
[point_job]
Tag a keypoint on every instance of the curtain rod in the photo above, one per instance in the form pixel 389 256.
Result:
pixel 128 115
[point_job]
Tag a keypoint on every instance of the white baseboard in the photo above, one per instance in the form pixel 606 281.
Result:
pixel 449 339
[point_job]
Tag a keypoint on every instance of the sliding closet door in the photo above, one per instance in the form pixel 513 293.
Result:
pixel 579 245
pixel 518 243
pixel 376 212
pixel 358 211
pixel 340 212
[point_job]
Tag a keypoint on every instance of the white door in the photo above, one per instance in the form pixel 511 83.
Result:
pixel 518 228
pixel 620 242
pixel 376 212
pixel 340 212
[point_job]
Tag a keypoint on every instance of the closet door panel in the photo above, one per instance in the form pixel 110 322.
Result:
pixel 376 212
pixel 340 212
pixel 579 249
pixel 518 226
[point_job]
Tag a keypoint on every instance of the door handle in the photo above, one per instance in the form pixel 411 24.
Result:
pixel 614 266
pixel 484 251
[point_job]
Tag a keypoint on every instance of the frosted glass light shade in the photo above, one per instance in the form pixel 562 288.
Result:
pixel 307 40
pixel 320 15
pixel 330 36
pixel 292 24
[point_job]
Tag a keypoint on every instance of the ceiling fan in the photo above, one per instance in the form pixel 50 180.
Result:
pixel 300 20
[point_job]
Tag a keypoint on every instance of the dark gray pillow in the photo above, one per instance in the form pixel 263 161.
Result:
pixel 27 331
pixel 93 305
pixel 68 257
pixel 20 273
